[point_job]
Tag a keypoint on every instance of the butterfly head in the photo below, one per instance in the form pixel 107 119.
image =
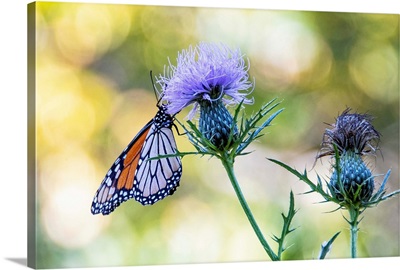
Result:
pixel 163 118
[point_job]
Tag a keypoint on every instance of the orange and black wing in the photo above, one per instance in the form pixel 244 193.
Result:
pixel 118 184
pixel 138 173
pixel 157 178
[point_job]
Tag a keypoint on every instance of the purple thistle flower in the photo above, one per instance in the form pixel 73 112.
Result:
pixel 208 76
pixel 351 132
pixel 207 72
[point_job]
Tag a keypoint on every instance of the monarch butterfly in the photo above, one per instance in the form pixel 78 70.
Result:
pixel 132 175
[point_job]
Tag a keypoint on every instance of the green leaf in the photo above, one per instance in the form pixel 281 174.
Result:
pixel 303 177
pixel 249 130
pixel 287 220
pixel 327 246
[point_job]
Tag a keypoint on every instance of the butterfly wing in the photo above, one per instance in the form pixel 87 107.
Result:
pixel 117 186
pixel 135 174
pixel 157 178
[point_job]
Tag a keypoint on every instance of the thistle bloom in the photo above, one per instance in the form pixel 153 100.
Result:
pixel 351 184
pixel 352 136
pixel 208 76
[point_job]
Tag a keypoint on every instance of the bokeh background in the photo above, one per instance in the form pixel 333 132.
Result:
pixel 94 93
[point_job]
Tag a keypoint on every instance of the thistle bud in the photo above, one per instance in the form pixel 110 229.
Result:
pixel 216 123
pixel 353 181
pixel 349 139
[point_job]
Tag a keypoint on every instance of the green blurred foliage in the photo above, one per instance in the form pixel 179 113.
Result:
pixel 94 93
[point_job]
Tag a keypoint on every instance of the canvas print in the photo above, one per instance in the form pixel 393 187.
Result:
pixel 163 135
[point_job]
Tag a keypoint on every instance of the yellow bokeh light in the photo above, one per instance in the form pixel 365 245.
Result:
pixel 83 32
pixel 66 222
pixel 375 70
pixel 67 181
pixel 71 104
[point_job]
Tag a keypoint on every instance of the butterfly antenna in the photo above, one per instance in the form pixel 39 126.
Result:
pixel 155 89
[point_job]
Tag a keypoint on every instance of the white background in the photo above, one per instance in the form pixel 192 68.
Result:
pixel 13 191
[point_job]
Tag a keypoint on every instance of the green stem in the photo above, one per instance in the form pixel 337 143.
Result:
pixel 354 214
pixel 228 165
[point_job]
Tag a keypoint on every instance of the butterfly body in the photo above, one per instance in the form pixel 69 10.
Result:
pixel 134 174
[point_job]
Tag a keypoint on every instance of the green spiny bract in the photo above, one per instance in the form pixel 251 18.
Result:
pixel 216 123
pixel 351 180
